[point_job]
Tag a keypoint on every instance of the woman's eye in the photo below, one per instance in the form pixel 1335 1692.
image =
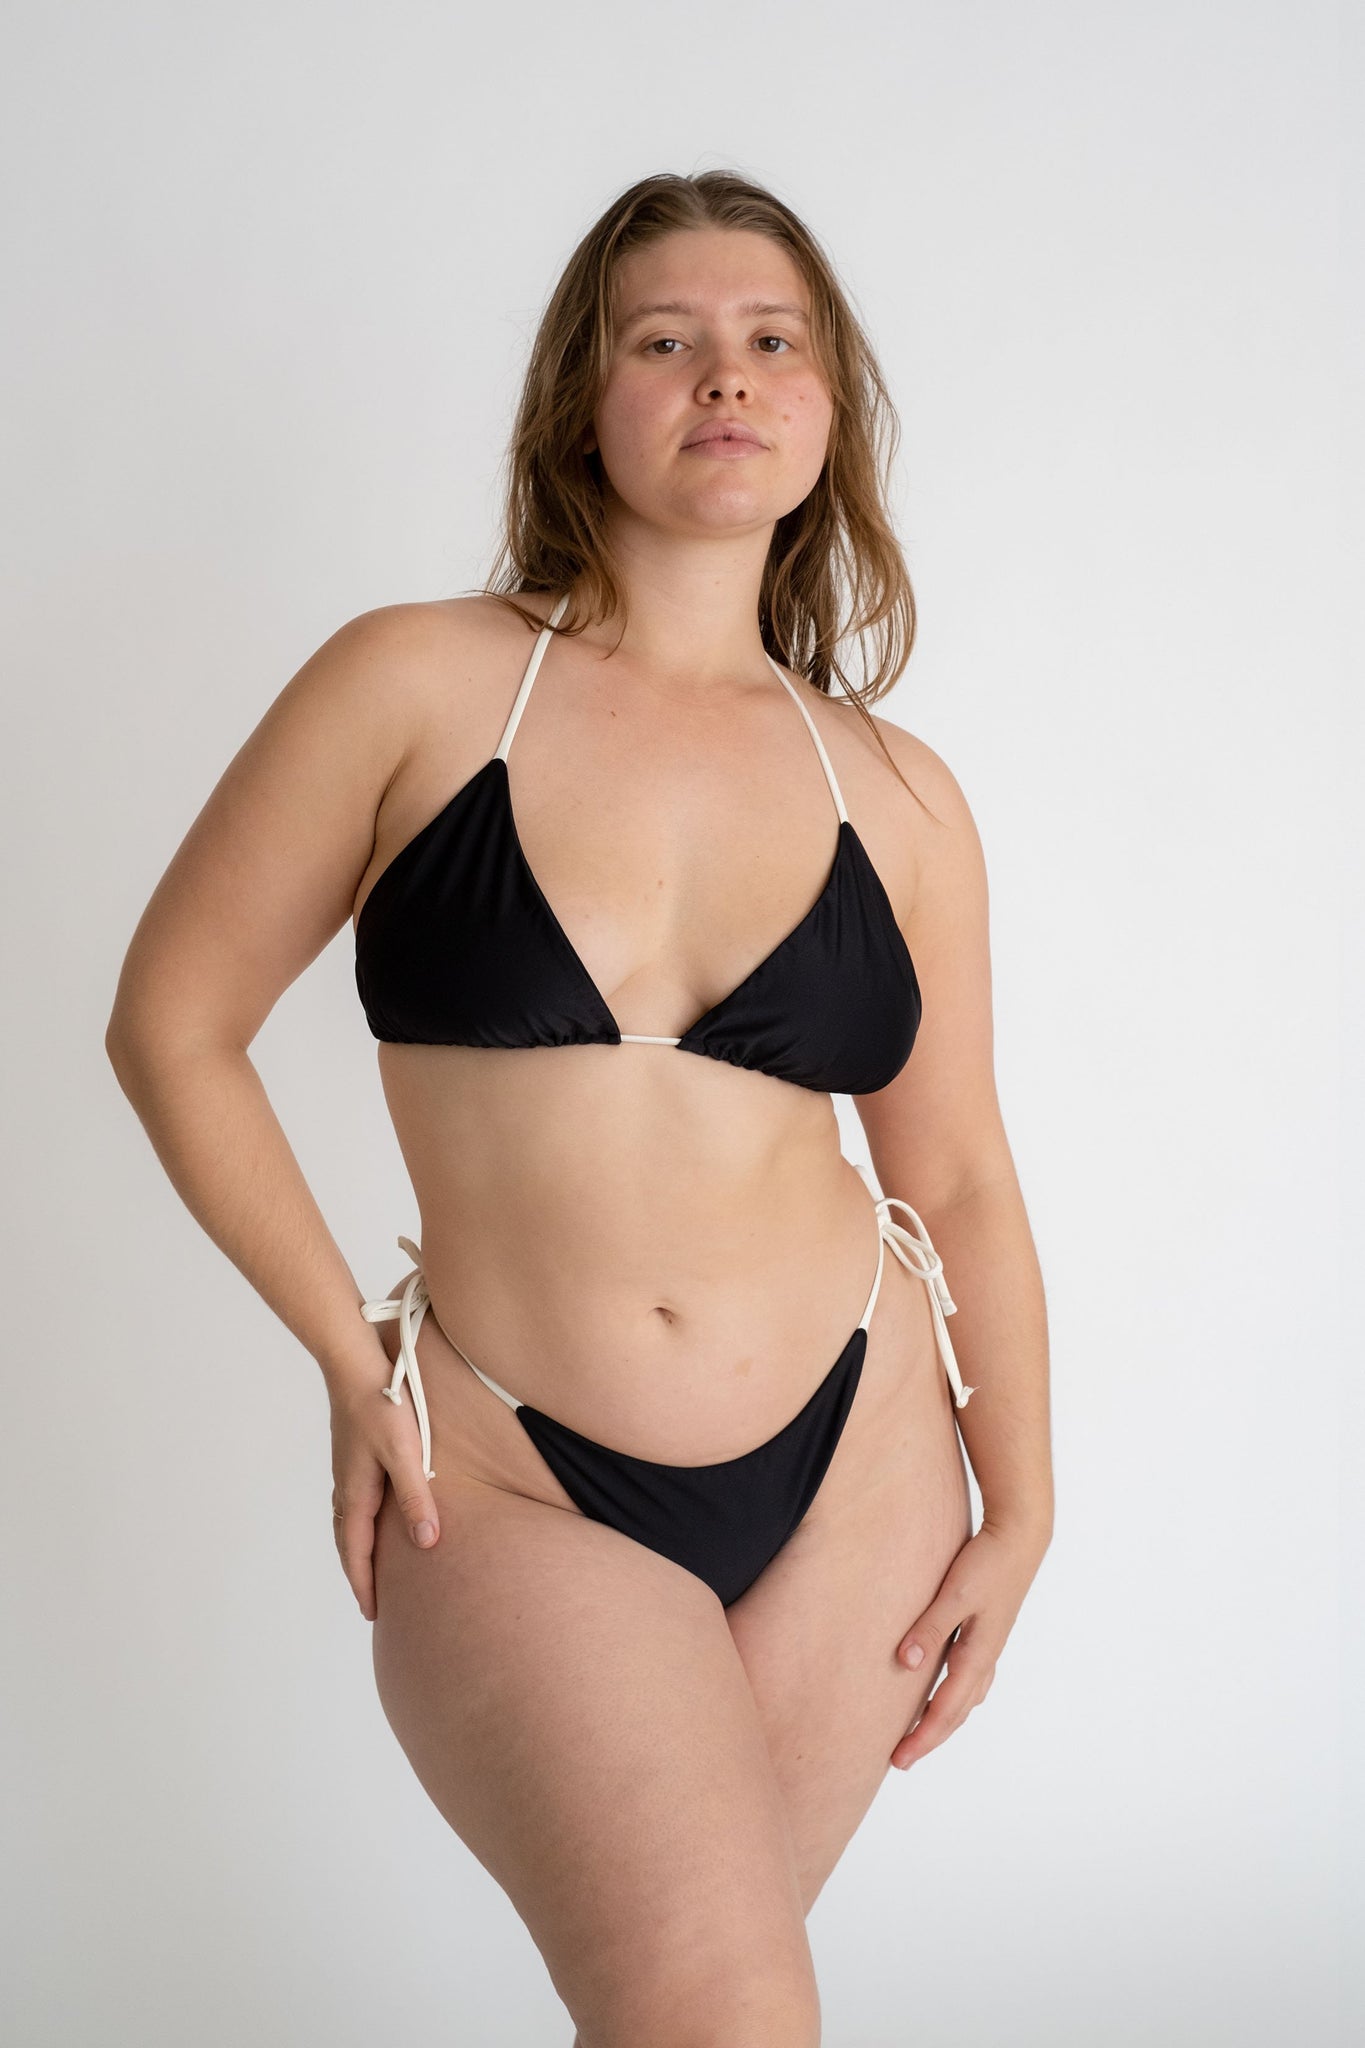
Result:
pixel 672 343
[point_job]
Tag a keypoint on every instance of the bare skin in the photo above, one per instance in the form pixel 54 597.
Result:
pixel 663 1251
pixel 529 1663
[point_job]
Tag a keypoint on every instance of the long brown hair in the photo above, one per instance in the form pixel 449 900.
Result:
pixel 836 547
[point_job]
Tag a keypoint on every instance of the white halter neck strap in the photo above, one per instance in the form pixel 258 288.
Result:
pixel 543 639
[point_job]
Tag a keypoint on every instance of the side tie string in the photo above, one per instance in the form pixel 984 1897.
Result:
pixel 916 1253
pixel 409 1308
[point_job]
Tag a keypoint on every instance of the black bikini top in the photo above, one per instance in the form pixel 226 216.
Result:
pixel 456 945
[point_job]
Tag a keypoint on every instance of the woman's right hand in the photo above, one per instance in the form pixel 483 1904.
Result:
pixel 373 1440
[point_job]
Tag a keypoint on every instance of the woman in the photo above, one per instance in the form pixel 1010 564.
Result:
pixel 664 1526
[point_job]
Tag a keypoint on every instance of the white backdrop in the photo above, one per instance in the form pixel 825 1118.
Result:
pixel 272 272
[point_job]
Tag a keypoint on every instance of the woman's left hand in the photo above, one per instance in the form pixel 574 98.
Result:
pixel 982 1592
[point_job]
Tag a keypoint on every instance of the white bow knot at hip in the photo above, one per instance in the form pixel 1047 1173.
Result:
pixel 409 1308
pixel 916 1253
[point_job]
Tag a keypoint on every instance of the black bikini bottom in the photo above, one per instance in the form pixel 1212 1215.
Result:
pixel 722 1522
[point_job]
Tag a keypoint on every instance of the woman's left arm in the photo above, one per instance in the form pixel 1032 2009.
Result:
pixel 937 1140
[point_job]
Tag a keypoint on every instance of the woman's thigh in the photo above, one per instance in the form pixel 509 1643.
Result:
pixel 818 1631
pixel 575 1707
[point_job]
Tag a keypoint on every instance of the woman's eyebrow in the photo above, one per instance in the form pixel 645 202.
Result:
pixel 750 306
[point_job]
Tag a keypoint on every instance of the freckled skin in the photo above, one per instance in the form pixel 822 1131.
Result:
pixel 670 369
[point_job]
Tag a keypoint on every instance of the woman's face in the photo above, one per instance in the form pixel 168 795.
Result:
pixel 711 331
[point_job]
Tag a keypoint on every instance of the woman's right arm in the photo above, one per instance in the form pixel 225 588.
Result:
pixel 263 881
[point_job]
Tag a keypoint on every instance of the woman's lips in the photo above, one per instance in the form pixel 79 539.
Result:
pixel 727 450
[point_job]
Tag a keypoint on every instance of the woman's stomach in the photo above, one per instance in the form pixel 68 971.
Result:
pixel 665 1252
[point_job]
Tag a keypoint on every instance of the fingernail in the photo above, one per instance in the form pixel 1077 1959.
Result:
pixel 425 1532
pixel 914 1656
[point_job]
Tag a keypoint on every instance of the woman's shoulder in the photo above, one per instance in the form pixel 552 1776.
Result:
pixel 435 656
pixel 923 767
pixel 865 733
pixel 473 620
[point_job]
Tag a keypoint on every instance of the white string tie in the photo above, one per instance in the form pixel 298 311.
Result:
pixel 409 1308
pixel 916 1253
